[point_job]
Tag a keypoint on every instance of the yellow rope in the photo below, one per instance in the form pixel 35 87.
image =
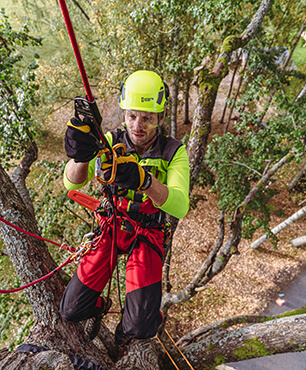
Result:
pixel 179 350
pixel 175 365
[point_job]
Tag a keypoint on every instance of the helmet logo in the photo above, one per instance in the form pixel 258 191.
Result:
pixel 146 99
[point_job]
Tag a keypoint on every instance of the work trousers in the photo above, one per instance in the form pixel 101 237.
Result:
pixel 81 299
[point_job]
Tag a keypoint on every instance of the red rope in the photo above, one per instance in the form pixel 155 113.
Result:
pixel 76 49
pixel 27 233
pixel 38 280
pixel 42 278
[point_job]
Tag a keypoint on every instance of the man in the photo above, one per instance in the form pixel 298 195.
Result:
pixel 155 174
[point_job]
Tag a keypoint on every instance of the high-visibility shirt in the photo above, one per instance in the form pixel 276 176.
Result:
pixel 166 159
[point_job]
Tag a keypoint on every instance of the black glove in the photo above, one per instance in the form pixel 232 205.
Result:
pixel 82 140
pixel 130 175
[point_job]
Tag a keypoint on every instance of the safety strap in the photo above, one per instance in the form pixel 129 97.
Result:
pixel 145 240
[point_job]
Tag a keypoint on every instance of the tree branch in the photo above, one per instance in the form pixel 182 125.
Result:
pixel 274 336
pixel 295 217
pixel 297 178
pixel 220 324
pixel 190 290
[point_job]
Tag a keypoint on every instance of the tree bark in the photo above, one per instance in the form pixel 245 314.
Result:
pixel 32 260
pixel 141 354
pixel 276 336
pixel 174 99
pixel 186 105
pixel 51 360
pixel 297 178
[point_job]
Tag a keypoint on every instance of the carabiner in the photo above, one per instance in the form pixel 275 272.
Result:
pixel 113 154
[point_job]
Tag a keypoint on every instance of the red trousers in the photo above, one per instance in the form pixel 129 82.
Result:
pixel 141 316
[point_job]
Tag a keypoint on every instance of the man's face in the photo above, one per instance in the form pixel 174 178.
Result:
pixel 141 126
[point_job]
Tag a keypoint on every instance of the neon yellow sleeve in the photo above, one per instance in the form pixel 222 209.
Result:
pixel 91 170
pixel 178 179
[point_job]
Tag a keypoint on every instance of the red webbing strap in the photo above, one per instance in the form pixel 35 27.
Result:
pixel 27 233
pixel 76 49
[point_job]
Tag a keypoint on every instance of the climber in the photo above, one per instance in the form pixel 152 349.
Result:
pixel 153 180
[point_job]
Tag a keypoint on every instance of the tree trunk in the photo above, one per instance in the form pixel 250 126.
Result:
pixel 237 94
pixel 231 85
pixel 186 105
pixel 19 175
pixel 32 260
pixel 174 99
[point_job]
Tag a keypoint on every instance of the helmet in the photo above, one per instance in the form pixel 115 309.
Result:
pixel 144 91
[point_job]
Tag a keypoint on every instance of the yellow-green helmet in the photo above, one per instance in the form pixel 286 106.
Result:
pixel 144 91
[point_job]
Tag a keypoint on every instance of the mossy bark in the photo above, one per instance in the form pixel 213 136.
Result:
pixel 276 336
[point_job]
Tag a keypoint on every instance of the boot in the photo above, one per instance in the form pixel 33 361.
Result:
pixel 120 338
pixel 92 326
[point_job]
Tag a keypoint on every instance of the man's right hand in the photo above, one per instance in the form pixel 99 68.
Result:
pixel 82 140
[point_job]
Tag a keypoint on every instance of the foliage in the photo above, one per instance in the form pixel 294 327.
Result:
pixel 16 316
pixel 299 56
pixel 17 91
pixel 57 214
pixel 240 157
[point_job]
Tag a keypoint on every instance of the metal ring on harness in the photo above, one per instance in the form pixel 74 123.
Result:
pixel 86 246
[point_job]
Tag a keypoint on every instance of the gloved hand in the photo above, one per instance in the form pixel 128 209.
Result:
pixel 130 175
pixel 82 140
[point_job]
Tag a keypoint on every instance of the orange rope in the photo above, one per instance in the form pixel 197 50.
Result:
pixel 175 365
pixel 179 350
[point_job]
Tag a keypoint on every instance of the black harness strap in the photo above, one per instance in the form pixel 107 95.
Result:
pixel 149 244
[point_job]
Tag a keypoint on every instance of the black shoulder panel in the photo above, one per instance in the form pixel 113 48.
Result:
pixel 169 147
pixel 117 135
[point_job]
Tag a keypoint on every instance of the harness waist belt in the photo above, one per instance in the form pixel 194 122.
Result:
pixel 155 219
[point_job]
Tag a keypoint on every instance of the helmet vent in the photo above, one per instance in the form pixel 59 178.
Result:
pixel 122 93
pixel 160 97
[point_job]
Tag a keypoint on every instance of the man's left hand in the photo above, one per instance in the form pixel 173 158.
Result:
pixel 130 175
